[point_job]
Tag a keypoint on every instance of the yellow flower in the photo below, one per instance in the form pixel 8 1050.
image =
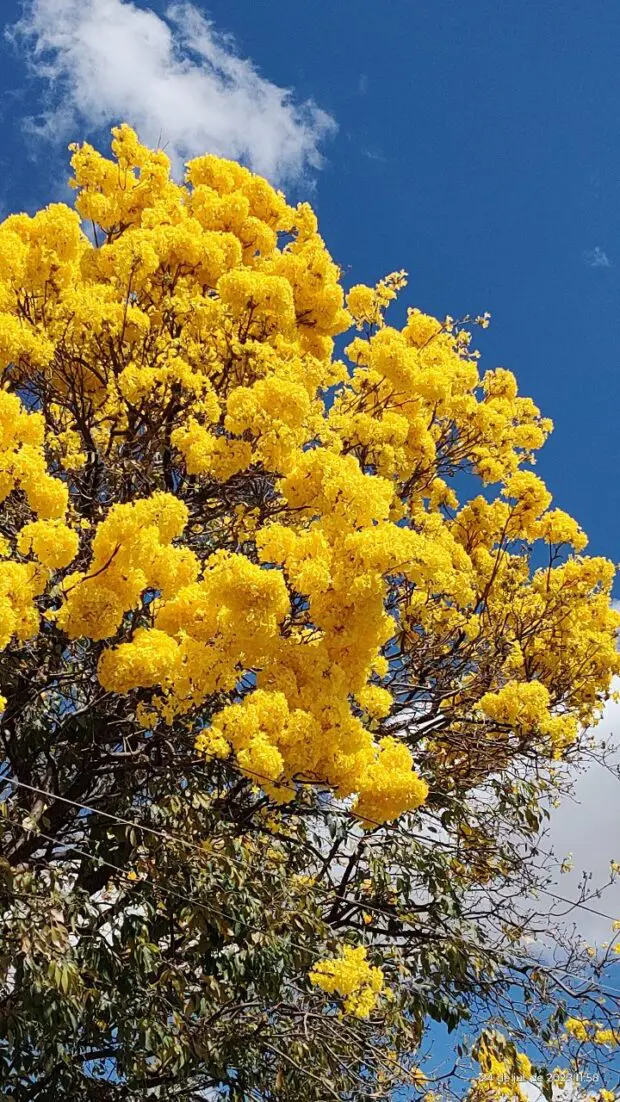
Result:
pixel 351 976
pixel 577 1028
pixel 53 543
pixel 608 1037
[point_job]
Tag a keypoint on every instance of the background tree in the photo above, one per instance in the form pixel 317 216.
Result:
pixel 281 716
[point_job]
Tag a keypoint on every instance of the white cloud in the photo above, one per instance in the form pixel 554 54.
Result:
pixel 597 258
pixel 572 1091
pixel 176 79
pixel 588 827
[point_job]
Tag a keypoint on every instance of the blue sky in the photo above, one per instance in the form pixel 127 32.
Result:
pixel 475 146
pixel 478 149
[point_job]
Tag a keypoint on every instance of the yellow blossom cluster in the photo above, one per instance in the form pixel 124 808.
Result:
pixel 20 585
pixel 582 1029
pixel 504 1072
pixel 269 540
pixel 352 977
pixel 24 471
pixel 367 305
pixel 23 463
pixel 52 542
pixel 131 554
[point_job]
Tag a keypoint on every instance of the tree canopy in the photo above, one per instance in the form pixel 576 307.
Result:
pixel 295 653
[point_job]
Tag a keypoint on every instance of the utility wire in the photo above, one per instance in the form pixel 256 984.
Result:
pixel 213 910
pixel 168 836
pixel 101 861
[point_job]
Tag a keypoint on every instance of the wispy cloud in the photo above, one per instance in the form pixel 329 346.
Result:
pixel 177 79
pixel 375 155
pixel 597 258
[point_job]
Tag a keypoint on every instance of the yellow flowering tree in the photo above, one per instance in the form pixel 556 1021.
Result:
pixel 277 704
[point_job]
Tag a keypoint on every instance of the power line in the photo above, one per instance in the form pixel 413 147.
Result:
pixel 168 836
pixel 573 903
pixel 99 861
pixel 125 873
pixel 221 914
